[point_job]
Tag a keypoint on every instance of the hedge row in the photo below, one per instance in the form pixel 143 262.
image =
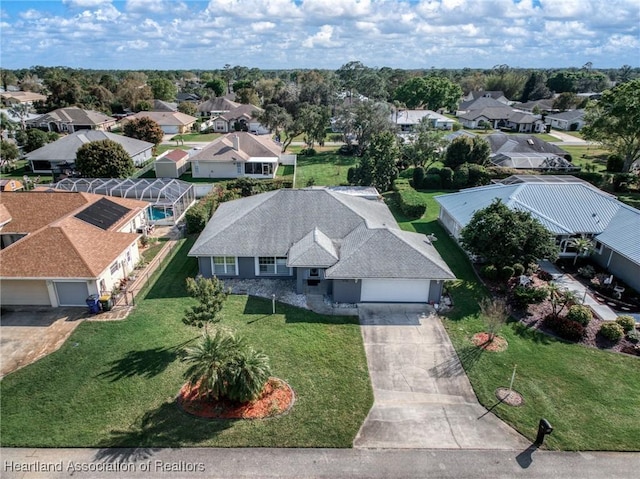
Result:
pixel 410 202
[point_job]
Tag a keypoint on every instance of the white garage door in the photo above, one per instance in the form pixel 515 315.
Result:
pixel 395 290
pixel 72 293
pixel 24 292
pixel 170 130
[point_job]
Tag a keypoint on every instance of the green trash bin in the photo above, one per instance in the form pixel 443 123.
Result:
pixel 105 302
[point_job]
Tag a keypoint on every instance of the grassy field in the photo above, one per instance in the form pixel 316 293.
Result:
pixel 585 155
pixel 114 383
pixel 589 396
pixel 22 170
pixel 326 168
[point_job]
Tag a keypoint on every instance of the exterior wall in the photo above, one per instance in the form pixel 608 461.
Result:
pixel 246 268
pixel 619 266
pixel 435 290
pixel 346 290
pixel 258 129
pixel 166 170
pixel 24 292
pixel 215 170
pixel 204 266
pixel 126 263
pixel 141 157
pixel 449 223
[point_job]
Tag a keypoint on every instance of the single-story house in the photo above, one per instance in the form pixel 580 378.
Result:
pixel 216 106
pixel 406 120
pixel 57 248
pixel 241 118
pixel 161 105
pixel 11 98
pixel 190 97
pixel 569 209
pixel 497 95
pixel 329 242
pixel 72 119
pixel 171 122
pixel 496 117
pixel 238 155
pixel 528 153
pixel 479 103
pixel 522 122
pixel 63 150
pixel 572 120
pixel 172 164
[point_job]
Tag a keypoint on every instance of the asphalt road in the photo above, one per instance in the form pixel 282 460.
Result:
pixel 313 463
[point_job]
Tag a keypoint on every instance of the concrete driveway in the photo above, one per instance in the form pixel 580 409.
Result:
pixel 29 333
pixel 422 397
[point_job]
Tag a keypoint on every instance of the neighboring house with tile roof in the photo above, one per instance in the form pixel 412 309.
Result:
pixel 72 119
pixel 60 247
pixel 216 106
pixel 329 242
pixel 241 118
pixel 528 152
pixel 63 150
pixel 172 164
pixel 239 155
pixel 171 122
pixel 572 120
pixel 12 98
pixel 479 104
pixel 568 210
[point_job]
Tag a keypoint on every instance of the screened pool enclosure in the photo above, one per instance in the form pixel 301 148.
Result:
pixel 168 198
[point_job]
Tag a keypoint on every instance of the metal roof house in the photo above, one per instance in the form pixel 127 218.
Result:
pixel 330 242
pixel 569 209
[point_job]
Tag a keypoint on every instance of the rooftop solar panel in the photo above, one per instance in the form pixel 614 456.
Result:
pixel 103 213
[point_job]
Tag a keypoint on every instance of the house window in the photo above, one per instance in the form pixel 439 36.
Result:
pixel 115 267
pixel 598 247
pixel 128 256
pixel 224 265
pixel 268 265
pixel 239 168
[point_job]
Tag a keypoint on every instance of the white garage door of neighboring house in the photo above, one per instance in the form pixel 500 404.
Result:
pixel 73 293
pixel 24 292
pixel 395 290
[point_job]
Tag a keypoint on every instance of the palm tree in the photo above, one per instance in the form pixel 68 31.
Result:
pixel 209 363
pixel 583 245
pixel 560 298
pixel 224 366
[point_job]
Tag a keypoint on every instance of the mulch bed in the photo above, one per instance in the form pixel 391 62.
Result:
pixel 277 398
pixel 509 397
pixel 483 341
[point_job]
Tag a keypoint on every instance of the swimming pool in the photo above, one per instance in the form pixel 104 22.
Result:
pixel 156 214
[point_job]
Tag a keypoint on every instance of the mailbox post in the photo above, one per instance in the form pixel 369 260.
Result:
pixel 544 428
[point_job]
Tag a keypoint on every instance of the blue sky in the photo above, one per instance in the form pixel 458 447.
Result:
pixel 180 34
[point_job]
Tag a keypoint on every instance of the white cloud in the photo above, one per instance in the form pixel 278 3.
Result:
pixel 323 38
pixel 132 45
pixel 31 14
pixel 146 6
pixel 84 3
pixel 260 27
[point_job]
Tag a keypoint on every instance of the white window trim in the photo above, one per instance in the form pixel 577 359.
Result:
pixel 226 265
pixel 256 260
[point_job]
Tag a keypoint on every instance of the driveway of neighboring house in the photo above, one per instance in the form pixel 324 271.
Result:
pixel 422 397
pixel 29 333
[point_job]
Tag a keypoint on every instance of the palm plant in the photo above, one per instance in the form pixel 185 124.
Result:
pixel 560 298
pixel 583 246
pixel 224 366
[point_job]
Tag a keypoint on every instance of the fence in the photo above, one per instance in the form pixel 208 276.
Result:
pixel 142 279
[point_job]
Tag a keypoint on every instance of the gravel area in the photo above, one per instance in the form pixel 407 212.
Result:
pixel 285 290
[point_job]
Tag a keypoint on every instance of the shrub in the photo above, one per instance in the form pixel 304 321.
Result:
pixel 308 152
pixel 518 269
pixel 446 174
pixel 434 170
pixel 587 271
pixel 432 182
pixel 311 181
pixel 626 322
pixel 461 177
pixel 196 219
pixel 490 272
pixel 478 175
pixel 351 175
pixel 615 164
pixel 612 331
pixel 506 272
pixel 411 204
pixel 633 336
pixel 418 177
pixel 564 327
pixel 523 296
pixel 580 314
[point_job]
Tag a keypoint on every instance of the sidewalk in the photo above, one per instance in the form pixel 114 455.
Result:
pixel 566 281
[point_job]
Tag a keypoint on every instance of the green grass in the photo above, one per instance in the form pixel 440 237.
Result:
pixel 326 169
pixel 154 248
pixel 197 136
pixel 585 155
pixel 589 396
pixel 114 383
pixel 162 148
pixel 21 170
pixel 632 198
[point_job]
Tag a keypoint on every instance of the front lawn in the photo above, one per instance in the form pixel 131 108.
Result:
pixel 589 396
pixel 114 383
pixel 326 169
pixel 199 137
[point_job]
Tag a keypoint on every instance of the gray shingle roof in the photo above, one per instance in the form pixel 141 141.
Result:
pixel 502 143
pixel 66 147
pixel 320 225
pixel 74 116
pixel 315 250
pixel 567 115
pixel 219 103
pixel 492 113
pixel 165 118
pixel 480 103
